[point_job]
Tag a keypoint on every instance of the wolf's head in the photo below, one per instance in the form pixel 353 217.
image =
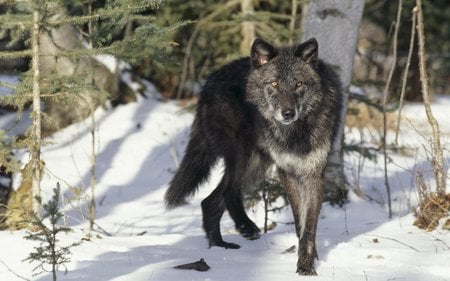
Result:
pixel 283 82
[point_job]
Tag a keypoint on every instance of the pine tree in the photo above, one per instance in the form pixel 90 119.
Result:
pixel 64 74
pixel 271 194
pixel 220 32
pixel 49 252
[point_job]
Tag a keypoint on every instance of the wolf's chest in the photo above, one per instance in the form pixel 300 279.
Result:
pixel 301 164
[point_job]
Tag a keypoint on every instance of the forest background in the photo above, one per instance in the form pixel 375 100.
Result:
pixel 174 45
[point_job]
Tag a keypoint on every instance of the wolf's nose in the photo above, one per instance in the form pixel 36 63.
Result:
pixel 288 113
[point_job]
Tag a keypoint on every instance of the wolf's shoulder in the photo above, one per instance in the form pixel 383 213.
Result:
pixel 236 70
pixel 227 84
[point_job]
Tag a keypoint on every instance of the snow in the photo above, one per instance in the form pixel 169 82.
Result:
pixel 8 80
pixel 138 147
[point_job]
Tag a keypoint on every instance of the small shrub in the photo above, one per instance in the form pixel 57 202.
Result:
pixel 49 253
pixel 433 207
pixel 269 192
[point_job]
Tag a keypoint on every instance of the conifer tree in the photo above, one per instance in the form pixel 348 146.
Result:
pixel 49 252
pixel 39 7
pixel 220 32
pixel 64 37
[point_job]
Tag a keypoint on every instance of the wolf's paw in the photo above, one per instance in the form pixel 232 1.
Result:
pixel 306 271
pixel 251 235
pixel 249 232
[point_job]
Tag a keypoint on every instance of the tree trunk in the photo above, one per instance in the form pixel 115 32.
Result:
pixel 35 148
pixel 335 25
pixel 437 158
pixel 99 80
pixel 247 27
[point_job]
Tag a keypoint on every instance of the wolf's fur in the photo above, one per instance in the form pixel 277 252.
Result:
pixel 279 106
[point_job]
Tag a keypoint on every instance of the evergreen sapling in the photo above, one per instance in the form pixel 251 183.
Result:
pixel 49 255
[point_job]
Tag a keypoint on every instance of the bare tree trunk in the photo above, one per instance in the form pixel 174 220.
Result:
pixel 247 27
pixel 294 5
pixel 35 149
pixel 93 179
pixel 437 160
pixel 335 25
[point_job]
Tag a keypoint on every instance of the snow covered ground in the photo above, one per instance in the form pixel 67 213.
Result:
pixel 138 147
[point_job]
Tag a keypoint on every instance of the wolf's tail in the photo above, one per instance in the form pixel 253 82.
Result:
pixel 194 170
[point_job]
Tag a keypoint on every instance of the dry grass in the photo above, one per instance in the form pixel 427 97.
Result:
pixel 431 209
pixel 361 116
pixel 17 212
pixel 433 206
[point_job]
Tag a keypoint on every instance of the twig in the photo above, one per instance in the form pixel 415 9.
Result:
pixel 8 85
pixel 10 270
pixel 385 96
pixel 395 240
pixel 439 239
pixel 405 74
pixel 102 230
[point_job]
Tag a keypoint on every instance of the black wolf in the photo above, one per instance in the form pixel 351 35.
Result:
pixel 277 107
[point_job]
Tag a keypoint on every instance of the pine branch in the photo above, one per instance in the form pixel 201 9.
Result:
pixel 15 54
pixel 105 13
pixel 25 21
pixel 8 85
pixel 22 21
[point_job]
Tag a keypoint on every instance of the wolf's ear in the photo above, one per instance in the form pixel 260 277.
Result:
pixel 261 52
pixel 308 51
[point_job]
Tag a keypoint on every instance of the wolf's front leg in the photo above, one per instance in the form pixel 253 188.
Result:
pixel 233 201
pixel 305 196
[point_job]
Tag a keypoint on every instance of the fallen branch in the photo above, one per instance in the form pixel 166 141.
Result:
pixel 395 240
pixel 10 270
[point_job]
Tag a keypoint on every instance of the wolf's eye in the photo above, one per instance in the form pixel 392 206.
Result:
pixel 274 83
pixel 299 84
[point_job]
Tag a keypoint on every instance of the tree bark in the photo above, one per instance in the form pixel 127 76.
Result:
pixel 35 147
pixel 437 158
pixel 96 76
pixel 247 27
pixel 335 25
